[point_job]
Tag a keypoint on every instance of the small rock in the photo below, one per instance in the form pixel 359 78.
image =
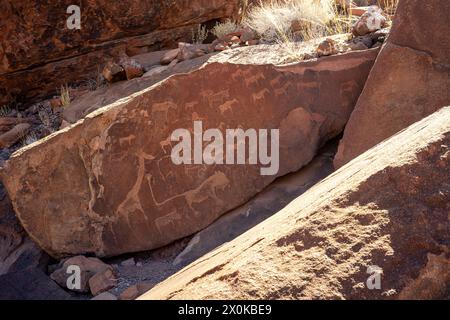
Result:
pixel 88 267
pixel 155 71
pixel 113 72
pixel 327 48
pixel 220 47
pixel 135 291
pixel 173 63
pixel 358 11
pixel 133 69
pixel 139 264
pixel 169 56
pixel 253 42
pixel 370 21
pixel 102 281
pixel 105 296
pixel 189 51
pixel 14 135
pixel 128 263
pixel 235 39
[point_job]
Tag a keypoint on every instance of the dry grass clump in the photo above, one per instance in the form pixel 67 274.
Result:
pixel 274 20
pixel 389 6
pixel 65 95
pixel 199 35
pixel 224 28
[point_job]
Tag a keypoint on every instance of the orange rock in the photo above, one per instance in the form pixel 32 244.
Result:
pixel 113 72
pixel 52 49
pixel 132 136
pixel 169 56
pixel 14 135
pixel 405 84
pixel 102 281
pixel 135 291
pixel 133 69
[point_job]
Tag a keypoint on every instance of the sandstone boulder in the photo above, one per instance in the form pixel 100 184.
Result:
pixel 37 57
pixel 410 80
pixel 112 186
pixel 385 215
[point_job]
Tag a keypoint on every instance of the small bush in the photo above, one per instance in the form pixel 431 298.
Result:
pixel 199 35
pixel 224 28
pixel 65 95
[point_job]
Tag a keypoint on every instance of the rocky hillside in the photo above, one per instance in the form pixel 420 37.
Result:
pixel 225 150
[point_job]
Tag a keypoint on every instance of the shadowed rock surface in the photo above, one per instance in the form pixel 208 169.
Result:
pixel 409 81
pixel 111 186
pixel 388 208
pixel 30 284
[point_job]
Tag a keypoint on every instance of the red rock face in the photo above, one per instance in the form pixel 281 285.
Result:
pixel 111 186
pixel 38 52
pixel 410 79
pixel 387 208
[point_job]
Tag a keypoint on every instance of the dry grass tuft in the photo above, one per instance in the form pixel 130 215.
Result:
pixel 273 21
pixel 199 35
pixel 65 95
pixel 224 28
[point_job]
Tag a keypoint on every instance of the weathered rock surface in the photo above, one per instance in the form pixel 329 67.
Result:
pixel 388 208
pixel 38 53
pixel 265 204
pixel 260 54
pixel 124 193
pixel 410 80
